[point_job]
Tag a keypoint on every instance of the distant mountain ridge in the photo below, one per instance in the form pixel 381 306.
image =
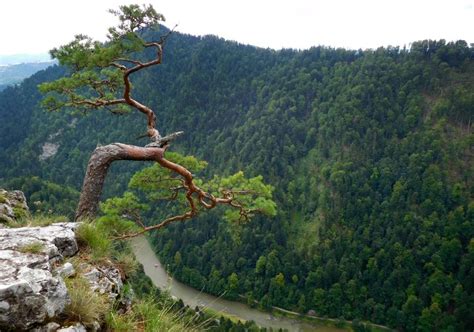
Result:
pixel 15 73
pixel 15 59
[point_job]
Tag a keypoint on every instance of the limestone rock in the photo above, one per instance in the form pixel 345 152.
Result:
pixel 105 280
pixel 33 294
pixel 49 150
pixel 66 271
pixel 30 291
pixel 57 239
pixel 78 327
pixel 12 206
pixel 50 327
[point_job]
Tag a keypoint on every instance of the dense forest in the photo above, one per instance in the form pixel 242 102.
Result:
pixel 369 151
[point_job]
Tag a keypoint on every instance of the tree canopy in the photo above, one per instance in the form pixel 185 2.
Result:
pixel 369 153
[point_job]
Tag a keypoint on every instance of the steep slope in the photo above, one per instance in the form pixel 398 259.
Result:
pixel 370 152
pixel 63 276
pixel 373 159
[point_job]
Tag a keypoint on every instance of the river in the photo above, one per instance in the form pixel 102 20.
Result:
pixel 193 297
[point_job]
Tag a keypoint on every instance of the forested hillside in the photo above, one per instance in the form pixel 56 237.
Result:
pixel 370 153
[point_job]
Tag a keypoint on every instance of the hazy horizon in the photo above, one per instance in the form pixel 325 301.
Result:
pixel 364 24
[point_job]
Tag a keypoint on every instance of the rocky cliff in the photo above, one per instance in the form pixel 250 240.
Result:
pixel 36 264
pixel 12 206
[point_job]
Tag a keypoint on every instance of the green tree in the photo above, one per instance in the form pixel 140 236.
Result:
pixel 100 77
pixel 233 282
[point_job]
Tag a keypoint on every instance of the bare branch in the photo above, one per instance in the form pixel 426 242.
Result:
pixel 130 60
pixel 118 65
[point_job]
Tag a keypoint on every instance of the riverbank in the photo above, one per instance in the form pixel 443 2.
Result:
pixel 235 310
pixel 332 322
pixel 329 322
pixel 192 297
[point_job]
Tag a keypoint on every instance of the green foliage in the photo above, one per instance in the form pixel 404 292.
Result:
pixel 45 197
pixel 118 206
pixel 121 214
pixel 369 153
pixel 32 248
pixel 86 306
pixel 96 77
pixel 158 184
pixel 133 18
pixel 252 194
pixel 96 239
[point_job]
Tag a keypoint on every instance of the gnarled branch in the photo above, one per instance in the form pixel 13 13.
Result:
pixel 97 169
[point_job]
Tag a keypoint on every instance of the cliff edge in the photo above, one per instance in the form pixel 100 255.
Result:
pixel 36 266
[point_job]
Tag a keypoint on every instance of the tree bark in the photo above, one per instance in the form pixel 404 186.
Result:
pixel 97 169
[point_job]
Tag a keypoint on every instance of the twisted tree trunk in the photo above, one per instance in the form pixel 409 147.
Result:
pixel 97 169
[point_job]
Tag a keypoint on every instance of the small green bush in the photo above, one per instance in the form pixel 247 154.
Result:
pixel 20 213
pixel 3 198
pixel 90 236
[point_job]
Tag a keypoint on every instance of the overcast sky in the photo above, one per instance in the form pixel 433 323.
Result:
pixel 35 26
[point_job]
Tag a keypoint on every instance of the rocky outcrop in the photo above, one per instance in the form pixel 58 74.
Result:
pixel 104 279
pixel 12 206
pixel 32 272
pixel 31 292
pixel 48 150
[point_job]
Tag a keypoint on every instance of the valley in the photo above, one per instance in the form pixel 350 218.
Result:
pixel 369 152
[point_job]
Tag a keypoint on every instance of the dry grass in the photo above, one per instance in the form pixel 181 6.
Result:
pixel 146 315
pixel 86 305
pixel 126 263
pixel 38 220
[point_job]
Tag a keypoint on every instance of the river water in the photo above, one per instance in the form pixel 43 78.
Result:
pixel 193 297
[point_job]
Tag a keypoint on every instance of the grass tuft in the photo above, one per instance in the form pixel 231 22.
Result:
pixel 126 263
pixel 32 248
pixel 86 306
pixel 95 239
pixel 38 220
pixel 149 316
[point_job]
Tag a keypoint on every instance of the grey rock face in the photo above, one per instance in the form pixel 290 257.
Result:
pixel 30 291
pixel 12 205
pixel 66 271
pixel 78 327
pixel 33 294
pixel 49 150
pixel 105 280
pixel 50 327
